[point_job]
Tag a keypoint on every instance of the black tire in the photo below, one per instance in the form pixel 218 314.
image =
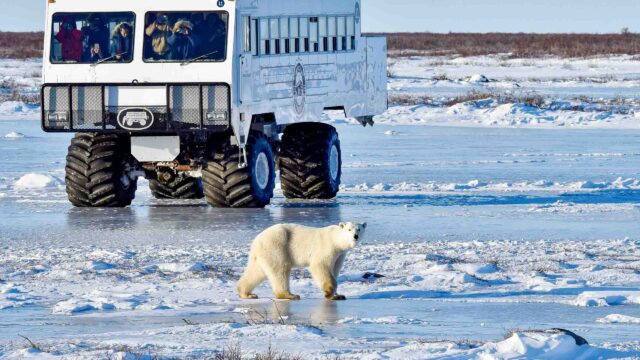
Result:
pixel 95 171
pixel 226 185
pixel 180 187
pixel 305 161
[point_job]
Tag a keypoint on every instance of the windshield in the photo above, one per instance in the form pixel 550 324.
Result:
pixel 185 36
pixel 92 37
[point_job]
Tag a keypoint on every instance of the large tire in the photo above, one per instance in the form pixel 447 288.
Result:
pixel 310 161
pixel 96 171
pixel 226 185
pixel 178 188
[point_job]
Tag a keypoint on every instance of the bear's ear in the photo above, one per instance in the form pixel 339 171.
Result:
pixel 342 225
pixel 364 225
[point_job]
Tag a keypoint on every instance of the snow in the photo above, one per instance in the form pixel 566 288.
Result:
pixel 14 135
pixel 11 110
pixel 597 92
pixel 589 299
pixel 35 181
pixel 619 319
pixel 474 114
pixel 477 185
pixel 477 227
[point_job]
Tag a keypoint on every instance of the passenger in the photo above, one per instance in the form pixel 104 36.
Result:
pixel 184 43
pixel 216 36
pixel 94 55
pixel 71 40
pixel 158 32
pixel 121 44
pixel 96 32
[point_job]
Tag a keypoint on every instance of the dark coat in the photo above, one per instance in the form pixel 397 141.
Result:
pixel 183 47
pixel 71 41
pixel 121 47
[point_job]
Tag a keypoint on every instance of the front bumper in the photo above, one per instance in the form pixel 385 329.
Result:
pixel 95 108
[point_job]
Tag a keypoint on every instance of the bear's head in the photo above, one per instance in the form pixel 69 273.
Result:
pixel 351 234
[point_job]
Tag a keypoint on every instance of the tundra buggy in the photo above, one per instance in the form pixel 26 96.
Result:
pixel 206 98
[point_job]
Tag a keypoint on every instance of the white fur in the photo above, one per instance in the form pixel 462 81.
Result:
pixel 281 248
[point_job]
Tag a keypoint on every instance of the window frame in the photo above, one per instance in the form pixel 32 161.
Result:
pixel 133 39
pixel 226 44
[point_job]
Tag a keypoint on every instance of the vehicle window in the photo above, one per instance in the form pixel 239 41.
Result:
pixel 284 35
pixel 294 35
pixel 331 31
pixel 342 39
pixel 324 40
pixel 275 36
pixel 304 34
pixel 92 37
pixel 265 45
pixel 313 34
pixel 199 36
pixel 351 33
pixel 246 25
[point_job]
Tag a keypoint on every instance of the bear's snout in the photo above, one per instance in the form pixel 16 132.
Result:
pixel 356 236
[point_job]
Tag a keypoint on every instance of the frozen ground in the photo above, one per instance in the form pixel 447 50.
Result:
pixel 594 92
pixel 19 82
pixel 476 231
pixel 481 226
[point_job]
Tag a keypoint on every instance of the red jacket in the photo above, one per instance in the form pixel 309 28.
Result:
pixel 71 44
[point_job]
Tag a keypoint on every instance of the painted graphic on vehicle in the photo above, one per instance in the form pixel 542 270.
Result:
pixel 135 119
pixel 299 89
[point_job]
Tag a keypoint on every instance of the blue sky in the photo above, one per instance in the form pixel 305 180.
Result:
pixel 439 15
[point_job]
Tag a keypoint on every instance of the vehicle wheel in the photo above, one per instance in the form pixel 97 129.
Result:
pixel 179 187
pixel 97 171
pixel 310 161
pixel 226 185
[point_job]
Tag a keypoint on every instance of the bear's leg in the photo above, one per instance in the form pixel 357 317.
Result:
pixel 252 277
pixel 279 280
pixel 326 281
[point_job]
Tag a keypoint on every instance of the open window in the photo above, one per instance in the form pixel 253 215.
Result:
pixel 85 38
pixel 197 36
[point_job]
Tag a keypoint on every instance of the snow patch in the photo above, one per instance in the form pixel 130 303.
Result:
pixel 535 345
pixel 619 319
pixel 607 298
pixel 385 320
pixel 14 135
pixel 36 181
pixel 477 185
pixel 12 110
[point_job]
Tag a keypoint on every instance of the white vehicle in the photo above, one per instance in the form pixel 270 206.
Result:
pixel 205 97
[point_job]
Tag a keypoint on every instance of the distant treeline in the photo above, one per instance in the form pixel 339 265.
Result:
pixel 518 45
pixel 28 45
pixel 21 45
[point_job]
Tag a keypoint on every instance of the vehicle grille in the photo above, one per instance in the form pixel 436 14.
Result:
pixel 79 107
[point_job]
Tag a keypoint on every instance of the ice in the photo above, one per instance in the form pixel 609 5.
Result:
pixel 14 135
pixel 495 216
pixel 607 298
pixel 10 110
pixel 477 185
pixel 35 181
pixel 619 319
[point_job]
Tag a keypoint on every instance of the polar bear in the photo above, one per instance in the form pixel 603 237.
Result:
pixel 281 248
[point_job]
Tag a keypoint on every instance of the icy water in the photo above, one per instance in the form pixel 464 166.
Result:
pixel 366 319
pixel 502 158
pixel 437 155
